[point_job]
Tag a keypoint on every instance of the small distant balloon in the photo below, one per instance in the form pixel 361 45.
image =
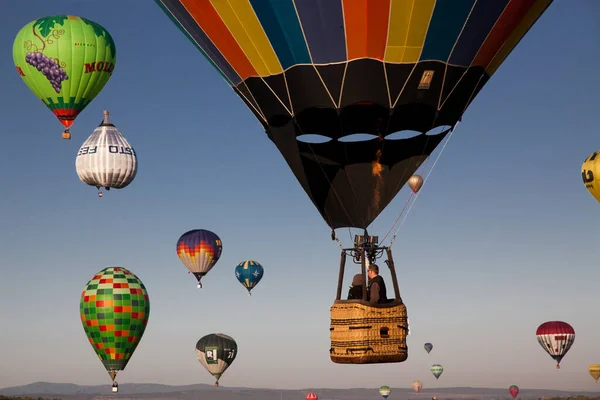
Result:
pixel 312 396
pixel 249 273
pixel 514 391
pixel 106 159
pixel 415 182
pixel 594 370
pixel 556 337
pixel 384 391
pixel 590 174
pixel 428 347
pixel 216 352
pixel 416 386
pixel 436 370
pixel 199 250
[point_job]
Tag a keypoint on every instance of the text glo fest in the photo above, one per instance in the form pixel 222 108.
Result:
pixel 101 66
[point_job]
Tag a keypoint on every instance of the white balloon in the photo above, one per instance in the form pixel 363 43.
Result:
pixel 106 159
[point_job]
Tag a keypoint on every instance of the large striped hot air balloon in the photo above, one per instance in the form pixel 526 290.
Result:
pixel 216 352
pixel 114 310
pixel 556 337
pixel 66 61
pixel 106 159
pixel 335 68
pixel 199 250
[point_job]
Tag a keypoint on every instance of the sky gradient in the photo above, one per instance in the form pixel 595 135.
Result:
pixel 502 238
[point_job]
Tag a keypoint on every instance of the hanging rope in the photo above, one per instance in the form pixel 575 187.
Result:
pixel 424 181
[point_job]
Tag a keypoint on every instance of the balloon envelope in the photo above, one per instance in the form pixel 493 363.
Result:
pixel 106 159
pixel 556 338
pixel 514 390
pixel 216 352
pixel 594 370
pixel 384 391
pixel 66 61
pixel 416 386
pixel 249 273
pixel 337 68
pixel 114 308
pixel 415 182
pixel 436 370
pixel 199 250
pixel 428 347
pixel 590 173
pixel 312 396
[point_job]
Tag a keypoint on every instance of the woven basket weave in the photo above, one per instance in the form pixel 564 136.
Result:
pixel 364 333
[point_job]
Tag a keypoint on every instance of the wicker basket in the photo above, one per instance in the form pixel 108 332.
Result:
pixel 364 333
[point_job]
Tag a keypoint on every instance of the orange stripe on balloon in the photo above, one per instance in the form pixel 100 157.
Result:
pixel 213 26
pixel 366 24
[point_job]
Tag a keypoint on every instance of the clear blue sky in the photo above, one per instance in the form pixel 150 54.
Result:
pixel 503 237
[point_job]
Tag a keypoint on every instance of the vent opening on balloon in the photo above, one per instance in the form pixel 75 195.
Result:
pixel 358 137
pixel 313 138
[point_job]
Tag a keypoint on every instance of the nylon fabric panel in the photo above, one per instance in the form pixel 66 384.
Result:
pixel 409 21
pixel 323 26
pixel 247 31
pixel 280 22
pixel 211 23
pixel 481 21
pixel 517 34
pixel 186 24
pixel 447 22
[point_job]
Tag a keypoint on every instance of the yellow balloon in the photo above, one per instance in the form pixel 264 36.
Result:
pixel 590 173
pixel 594 370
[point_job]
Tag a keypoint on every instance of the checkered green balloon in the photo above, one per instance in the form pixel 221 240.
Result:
pixel 114 311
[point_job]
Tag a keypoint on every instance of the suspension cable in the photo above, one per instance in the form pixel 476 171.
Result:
pixel 424 181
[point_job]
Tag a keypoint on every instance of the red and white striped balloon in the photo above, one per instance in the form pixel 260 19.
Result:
pixel 556 337
pixel 312 396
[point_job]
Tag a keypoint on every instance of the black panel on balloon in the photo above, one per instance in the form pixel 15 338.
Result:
pixel 458 100
pixel 424 84
pixel 365 82
pixel 266 99
pixel 306 88
pixel 320 121
pixel 333 76
pixel 415 117
pixel 277 84
pixel 397 75
pixel 364 118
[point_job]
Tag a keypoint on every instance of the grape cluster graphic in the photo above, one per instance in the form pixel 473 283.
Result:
pixel 49 67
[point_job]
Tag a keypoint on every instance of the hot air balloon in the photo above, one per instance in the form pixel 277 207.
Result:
pixel 384 391
pixel 66 61
pixel 199 250
pixel 590 174
pixel 556 337
pixel 216 352
pixel 114 310
pixel 106 159
pixel 436 370
pixel 341 67
pixel 249 273
pixel 514 391
pixel 428 347
pixel 312 396
pixel 416 386
pixel 415 182
pixel 594 370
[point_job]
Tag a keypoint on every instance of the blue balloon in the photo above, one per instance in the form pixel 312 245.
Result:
pixel 249 273
pixel 428 347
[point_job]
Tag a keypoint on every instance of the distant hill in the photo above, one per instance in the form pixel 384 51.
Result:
pixel 69 391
